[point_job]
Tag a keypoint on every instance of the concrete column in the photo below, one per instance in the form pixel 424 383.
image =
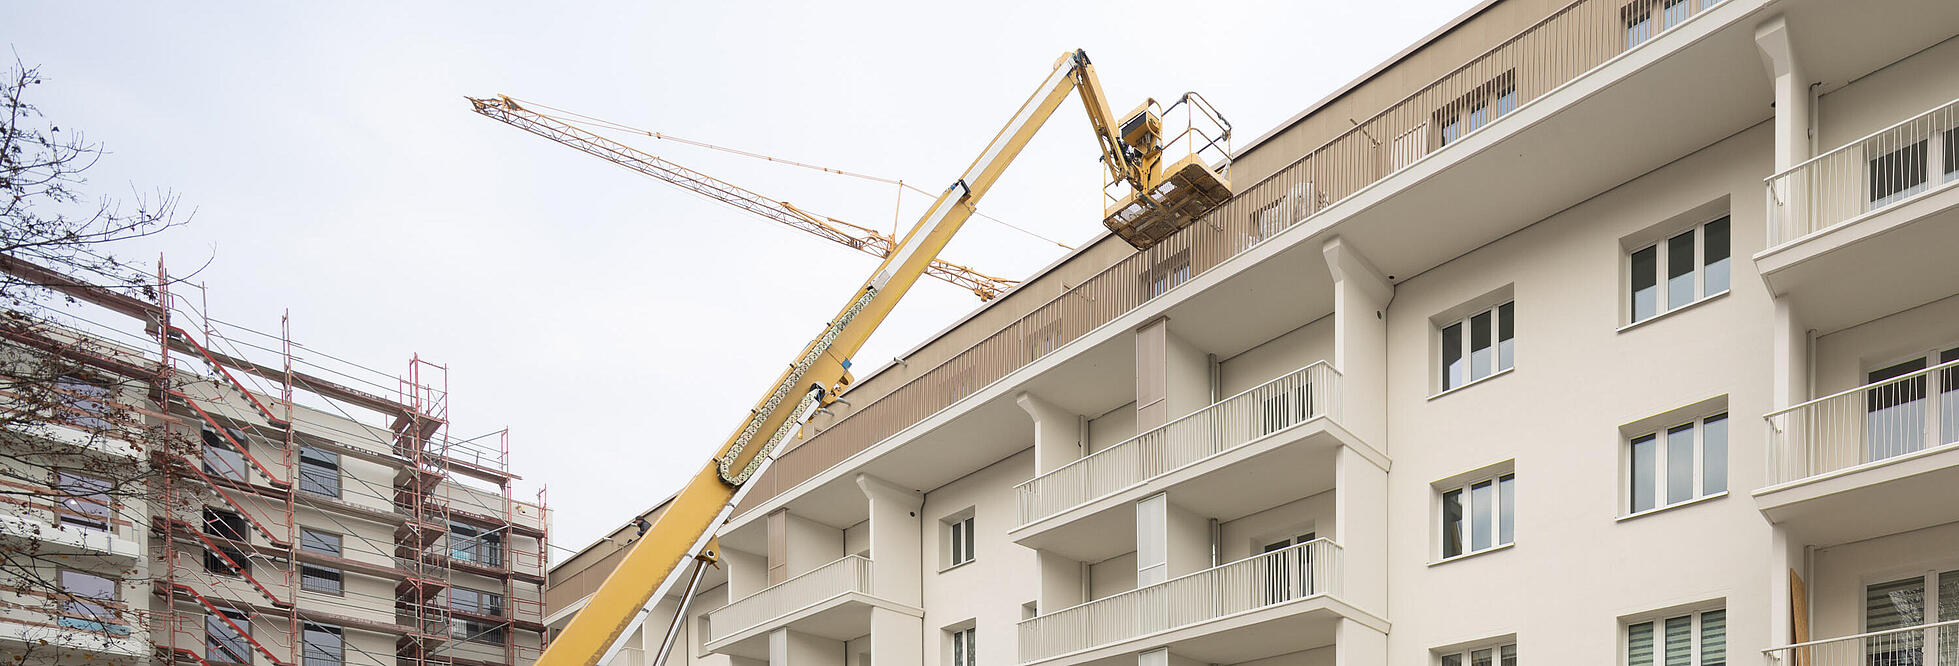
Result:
pixel 1356 644
pixel 1170 540
pixel 1360 526
pixel 1360 341
pixel 777 526
pixel 1061 582
pixel 748 572
pixel 793 648
pixel 1792 99
pixel 1173 377
pixel 1790 350
pixel 1057 433
pixel 897 638
pixel 897 551
pixel 1163 657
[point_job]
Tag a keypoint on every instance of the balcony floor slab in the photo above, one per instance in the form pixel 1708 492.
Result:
pixel 1891 496
pixel 840 618
pixel 1885 261
pixel 1270 631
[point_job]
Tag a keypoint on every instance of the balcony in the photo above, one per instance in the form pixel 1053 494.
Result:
pixel 1905 646
pixel 1883 201
pixel 832 601
pixel 1266 605
pixel 1878 459
pixel 1266 446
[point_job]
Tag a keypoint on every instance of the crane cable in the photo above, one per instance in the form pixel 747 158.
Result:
pixel 574 118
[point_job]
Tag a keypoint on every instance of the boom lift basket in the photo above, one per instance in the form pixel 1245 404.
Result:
pixel 1173 197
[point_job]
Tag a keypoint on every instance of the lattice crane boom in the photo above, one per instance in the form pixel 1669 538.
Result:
pixel 862 239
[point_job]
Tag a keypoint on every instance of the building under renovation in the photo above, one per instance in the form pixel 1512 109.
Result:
pixel 1579 332
pixel 199 493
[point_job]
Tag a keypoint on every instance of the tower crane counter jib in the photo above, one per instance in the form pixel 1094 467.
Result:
pixel 1150 203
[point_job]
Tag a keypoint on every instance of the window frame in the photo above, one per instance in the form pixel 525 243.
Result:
pixel 1465 655
pixel 1662 458
pixel 959 542
pixel 315 472
pixel 85 403
pixel 1662 286
pixel 306 649
pixel 1166 275
pixel 217 634
pixel 484 546
pixel 1465 487
pixel 1459 118
pixel 311 572
pixel 1657 620
pixel 78 605
pixel 308 534
pixel 1500 313
pixel 216 447
pixel 962 644
pixel 78 503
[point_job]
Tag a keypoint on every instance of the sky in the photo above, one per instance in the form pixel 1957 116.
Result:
pixel 618 326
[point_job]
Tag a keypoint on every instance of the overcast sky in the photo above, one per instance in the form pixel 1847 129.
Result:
pixel 619 326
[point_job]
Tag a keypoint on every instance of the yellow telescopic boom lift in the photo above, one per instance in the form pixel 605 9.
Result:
pixel 1157 203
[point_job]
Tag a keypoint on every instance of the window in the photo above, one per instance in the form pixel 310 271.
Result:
pixel 1282 409
pixel 1677 464
pixel 86 403
pixel 1898 174
pixel 1172 271
pixel 1479 516
pixel 1906 603
pixel 220 558
pixel 1897 417
pixel 472 544
pixel 1479 346
pixel 1688 639
pixel 223 459
pixel 84 500
pixel 324 543
pixel 1642 22
pixel 1489 655
pixel 322 645
pixel 87 599
pixel 1044 340
pixel 1288 569
pixel 962 641
pixel 319 471
pixel 473 601
pixel 225 644
pixel 1680 270
pixel 959 385
pixel 959 539
pixel 1472 111
pixel 325 580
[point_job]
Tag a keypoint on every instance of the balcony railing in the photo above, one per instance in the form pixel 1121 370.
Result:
pixel 1303 395
pixel 1923 645
pixel 1890 165
pixel 1307 570
pixel 849 574
pixel 1550 53
pixel 1871 423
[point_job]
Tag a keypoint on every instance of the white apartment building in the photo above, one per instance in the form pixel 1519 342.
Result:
pixel 1600 332
pixel 214 498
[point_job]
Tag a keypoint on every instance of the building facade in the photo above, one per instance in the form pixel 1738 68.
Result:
pixel 1599 332
pixel 214 498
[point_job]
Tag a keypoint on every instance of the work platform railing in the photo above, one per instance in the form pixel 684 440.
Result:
pixel 1303 571
pixel 1568 43
pixel 1305 394
pixel 1910 158
pixel 1871 423
pixel 1935 644
pixel 849 574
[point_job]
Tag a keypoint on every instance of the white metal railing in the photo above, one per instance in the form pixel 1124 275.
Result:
pixel 1904 646
pixel 1870 423
pixel 1888 166
pixel 1306 570
pixel 852 573
pixel 1303 395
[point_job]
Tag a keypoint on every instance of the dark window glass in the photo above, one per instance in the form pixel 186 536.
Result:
pixel 84 500
pixel 222 643
pixel 322 646
pixel 1453 369
pixel 319 471
pixel 1452 523
pixel 1714 250
pixel 1714 455
pixel 1645 456
pixel 224 524
pixel 1482 350
pixel 324 543
pixel 1897 174
pixel 1506 336
pixel 87 595
pixel 1680 270
pixel 319 579
pixel 223 459
pixel 1645 283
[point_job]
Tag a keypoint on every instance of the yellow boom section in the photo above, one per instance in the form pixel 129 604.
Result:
pixel 821 370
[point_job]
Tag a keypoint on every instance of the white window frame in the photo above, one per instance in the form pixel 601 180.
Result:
pixel 1661 463
pixel 1467 487
pixel 1662 284
pixel 1658 620
pixel 959 541
pixel 1931 408
pixel 1466 346
pixel 960 644
pixel 1466 655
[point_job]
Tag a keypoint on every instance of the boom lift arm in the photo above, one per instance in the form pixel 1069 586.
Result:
pixel 821 370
